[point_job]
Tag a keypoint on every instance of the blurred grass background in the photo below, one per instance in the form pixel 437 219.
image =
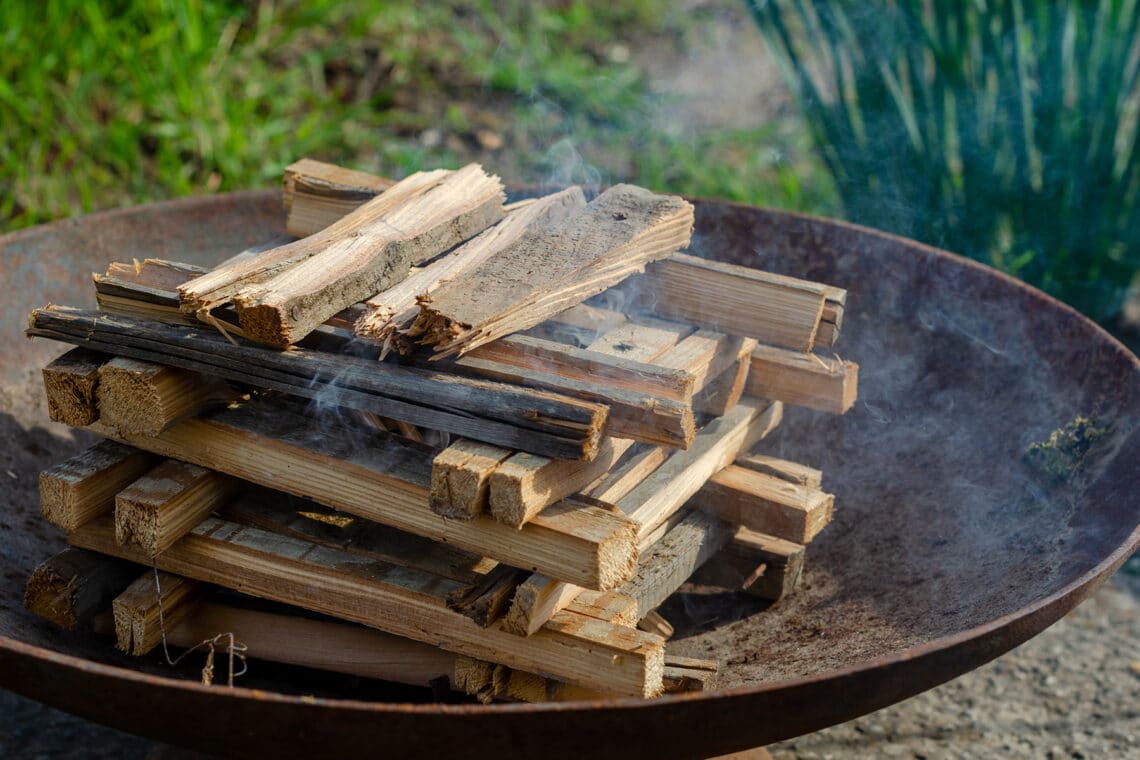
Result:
pixel 953 123
pixel 113 103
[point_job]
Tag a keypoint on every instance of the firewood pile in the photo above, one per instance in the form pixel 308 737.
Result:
pixel 437 439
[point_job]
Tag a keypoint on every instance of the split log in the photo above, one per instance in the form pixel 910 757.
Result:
pixel 387 480
pixel 219 286
pixel 375 255
pixel 523 418
pixel 550 269
pixel 765 504
pixel 164 504
pixel 154 603
pixel 763 566
pixel 618 660
pixel 829 385
pixel 317 194
pixel 773 308
pixel 72 587
pixel 394 309
pixel 70 383
pixel 84 486
pixel 146 398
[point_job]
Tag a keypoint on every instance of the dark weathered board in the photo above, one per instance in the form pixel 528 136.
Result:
pixel 538 421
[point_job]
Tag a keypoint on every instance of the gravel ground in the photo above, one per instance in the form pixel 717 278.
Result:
pixel 1072 692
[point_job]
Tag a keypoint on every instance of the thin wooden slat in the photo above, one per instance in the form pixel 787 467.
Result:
pixel 732 299
pixel 763 566
pixel 84 486
pixel 793 472
pixel 829 385
pixel 765 504
pixel 460 478
pixel 349 267
pixel 535 420
pixel 387 480
pixel 619 660
pixel 673 559
pixel 144 610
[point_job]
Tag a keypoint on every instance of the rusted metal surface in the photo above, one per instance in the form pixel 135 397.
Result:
pixel 947 548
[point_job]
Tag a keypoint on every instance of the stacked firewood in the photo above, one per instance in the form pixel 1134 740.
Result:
pixel 482 442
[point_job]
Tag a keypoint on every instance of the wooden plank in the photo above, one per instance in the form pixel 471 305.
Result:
pixel 164 504
pixel 614 369
pixel 523 484
pixel 672 560
pixel 154 603
pixel 84 486
pixel 829 385
pixel 793 472
pixel 460 478
pixel 72 587
pixel 219 286
pixel 726 389
pixel 393 310
pixel 643 339
pixel 764 566
pixel 372 257
pixel 732 299
pixel 317 194
pixel 635 415
pixel 143 397
pixel 578 326
pixel 618 660
pixel 630 471
pixel 387 480
pixel 765 504
pixel 654 622
pixel 536 601
pixel 554 267
pixel 684 473
pixel 524 418
pixel 652 502
pixel 70 382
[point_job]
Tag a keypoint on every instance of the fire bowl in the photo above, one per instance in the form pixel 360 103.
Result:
pixel 947 549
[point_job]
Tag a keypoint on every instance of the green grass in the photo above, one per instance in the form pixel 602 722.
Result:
pixel 1008 131
pixel 115 103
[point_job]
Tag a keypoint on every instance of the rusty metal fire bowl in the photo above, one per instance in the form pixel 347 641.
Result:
pixel 947 549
